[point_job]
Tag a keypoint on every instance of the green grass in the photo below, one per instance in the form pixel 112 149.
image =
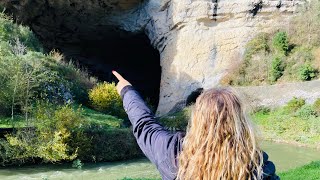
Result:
pixel 7 122
pixel 92 117
pixel 100 119
pixel 279 125
pixel 309 172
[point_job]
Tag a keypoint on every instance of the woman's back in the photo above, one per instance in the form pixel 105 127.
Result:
pixel 220 142
pixel 204 154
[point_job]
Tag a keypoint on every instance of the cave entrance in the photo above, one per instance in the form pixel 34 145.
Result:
pixel 131 55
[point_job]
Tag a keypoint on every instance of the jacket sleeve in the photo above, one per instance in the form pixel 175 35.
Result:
pixel 159 145
pixel 269 169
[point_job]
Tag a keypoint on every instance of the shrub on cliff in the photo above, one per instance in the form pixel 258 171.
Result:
pixel 280 42
pixel 277 68
pixel 105 98
pixel 307 72
pixel 258 44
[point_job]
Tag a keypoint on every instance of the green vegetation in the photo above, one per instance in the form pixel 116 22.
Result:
pixel 280 42
pixel 281 56
pixel 39 98
pixel 105 98
pixel 316 106
pixel 27 74
pixel 178 120
pixel 307 72
pixel 77 164
pixel 296 122
pixel 295 104
pixel 310 172
pixel 65 133
pixel 46 140
pixel 277 69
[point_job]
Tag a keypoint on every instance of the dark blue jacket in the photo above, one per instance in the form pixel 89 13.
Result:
pixel 158 144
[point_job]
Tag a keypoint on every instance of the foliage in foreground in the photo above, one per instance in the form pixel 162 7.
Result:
pixel 65 133
pixel 47 140
pixel 310 172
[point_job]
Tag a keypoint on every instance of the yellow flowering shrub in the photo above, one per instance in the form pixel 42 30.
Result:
pixel 105 98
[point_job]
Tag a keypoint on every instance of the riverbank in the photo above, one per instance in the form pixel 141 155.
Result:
pixel 299 127
pixel 296 123
pixel 286 157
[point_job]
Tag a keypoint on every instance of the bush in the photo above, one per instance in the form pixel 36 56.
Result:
pixel 27 74
pixel 80 82
pixel 11 32
pixel 48 140
pixel 105 98
pixel 178 120
pixel 280 42
pixel 277 68
pixel 307 72
pixel 295 104
pixel 110 145
pixel 258 44
pixel 306 112
pixel 316 106
pixel 262 110
pixel 77 164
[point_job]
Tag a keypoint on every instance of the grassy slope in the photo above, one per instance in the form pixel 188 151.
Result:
pixel 280 126
pixel 91 116
pixel 101 119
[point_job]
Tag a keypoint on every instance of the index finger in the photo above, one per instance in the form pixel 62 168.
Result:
pixel 117 75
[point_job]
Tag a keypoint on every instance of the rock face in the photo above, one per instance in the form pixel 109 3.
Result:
pixel 198 40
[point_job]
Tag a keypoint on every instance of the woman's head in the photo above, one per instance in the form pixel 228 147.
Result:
pixel 220 142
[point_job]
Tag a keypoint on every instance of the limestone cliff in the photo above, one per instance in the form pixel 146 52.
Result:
pixel 198 40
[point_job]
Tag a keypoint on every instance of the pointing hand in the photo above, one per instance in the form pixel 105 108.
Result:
pixel 122 82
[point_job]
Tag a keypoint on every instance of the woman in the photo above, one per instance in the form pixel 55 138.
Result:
pixel 220 142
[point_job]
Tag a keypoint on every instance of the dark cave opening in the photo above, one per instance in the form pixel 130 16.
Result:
pixel 130 54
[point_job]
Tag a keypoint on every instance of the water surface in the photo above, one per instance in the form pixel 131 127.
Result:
pixel 284 156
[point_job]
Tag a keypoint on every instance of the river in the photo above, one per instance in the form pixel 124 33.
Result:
pixel 283 155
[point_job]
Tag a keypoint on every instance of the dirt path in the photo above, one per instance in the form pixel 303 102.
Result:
pixel 280 94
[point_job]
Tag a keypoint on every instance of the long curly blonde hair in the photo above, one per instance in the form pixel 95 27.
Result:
pixel 220 142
